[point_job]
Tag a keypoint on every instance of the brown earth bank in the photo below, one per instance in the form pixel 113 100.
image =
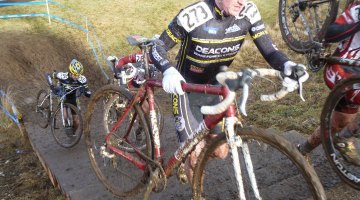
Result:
pixel 25 58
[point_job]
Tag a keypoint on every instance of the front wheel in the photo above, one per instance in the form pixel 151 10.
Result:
pixel 42 108
pixel 281 172
pixel 304 22
pixel 341 95
pixel 118 162
pixel 67 125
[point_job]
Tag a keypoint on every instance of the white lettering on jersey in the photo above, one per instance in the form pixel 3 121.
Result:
pixel 257 28
pixel 332 76
pixel 223 50
pixel 251 12
pixel 232 29
pixel 194 16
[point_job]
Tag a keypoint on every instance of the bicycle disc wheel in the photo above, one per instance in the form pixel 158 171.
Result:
pixel 349 173
pixel 303 22
pixel 42 109
pixel 121 176
pixel 113 109
pixel 281 172
pixel 66 133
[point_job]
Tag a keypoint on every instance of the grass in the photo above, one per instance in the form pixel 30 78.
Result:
pixel 114 20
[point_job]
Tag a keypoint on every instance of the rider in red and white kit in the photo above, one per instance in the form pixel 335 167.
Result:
pixel 346 31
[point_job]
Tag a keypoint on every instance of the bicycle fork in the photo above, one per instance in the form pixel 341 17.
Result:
pixel 235 141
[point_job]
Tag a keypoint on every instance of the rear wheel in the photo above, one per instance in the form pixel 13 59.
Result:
pixel 348 172
pixel 280 170
pixel 303 23
pixel 42 108
pixel 67 127
pixel 122 177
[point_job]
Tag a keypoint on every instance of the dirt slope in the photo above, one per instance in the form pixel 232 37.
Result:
pixel 25 58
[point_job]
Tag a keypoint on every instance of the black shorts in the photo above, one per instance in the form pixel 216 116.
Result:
pixel 186 110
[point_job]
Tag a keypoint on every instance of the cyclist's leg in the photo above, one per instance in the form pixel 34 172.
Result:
pixel 71 99
pixel 340 118
pixel 187 118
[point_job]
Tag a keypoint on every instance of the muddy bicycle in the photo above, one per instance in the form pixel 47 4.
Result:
pixel 303 23
pixel 143 170
pixel 51 109
pixel 341 94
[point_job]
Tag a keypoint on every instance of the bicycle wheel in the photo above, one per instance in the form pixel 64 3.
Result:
pixel 350 174
pixel 280 170
pixel 304 22
pixel 63 127
pixel 113 109
pixel 121 176
pixel 42 109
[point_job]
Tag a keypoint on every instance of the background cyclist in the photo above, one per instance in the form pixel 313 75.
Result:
pixel 68 80
pixel 346 31
pixel 211 33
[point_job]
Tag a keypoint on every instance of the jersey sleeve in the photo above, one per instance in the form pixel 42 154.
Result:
pixel 346 25
pixel 267 48
pixel 173 35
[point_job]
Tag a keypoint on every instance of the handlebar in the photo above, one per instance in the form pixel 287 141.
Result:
pixel 234 81
pixel 63 92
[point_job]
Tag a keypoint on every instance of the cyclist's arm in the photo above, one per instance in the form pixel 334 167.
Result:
pixel 262 39
pixel 346 25
pixel 338 32
pixel 85 89
pixel 173 35
pixel 49 77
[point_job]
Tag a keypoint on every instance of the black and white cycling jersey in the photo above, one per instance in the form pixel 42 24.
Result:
pixel 209 39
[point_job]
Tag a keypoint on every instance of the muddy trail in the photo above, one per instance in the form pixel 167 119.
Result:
pixel 24 60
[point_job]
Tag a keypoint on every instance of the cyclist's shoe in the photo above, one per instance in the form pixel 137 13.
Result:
pixel 181 175
pixel 348 150
pixel 305 154
pixel 70 131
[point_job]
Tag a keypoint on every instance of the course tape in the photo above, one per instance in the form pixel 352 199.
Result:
pixel 85 30
pixel 13 116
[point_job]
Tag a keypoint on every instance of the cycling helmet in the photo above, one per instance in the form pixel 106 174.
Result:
pixel 76 68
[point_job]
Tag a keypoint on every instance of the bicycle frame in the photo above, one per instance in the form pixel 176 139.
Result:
pixel 61 104
pixel 202 130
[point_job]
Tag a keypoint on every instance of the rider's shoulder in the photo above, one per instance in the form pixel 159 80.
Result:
pixel 62 75
pixel 191 13
pixel 250 12
pixel 82 79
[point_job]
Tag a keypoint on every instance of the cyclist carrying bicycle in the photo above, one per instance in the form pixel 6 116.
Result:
pixel 211 33
pixel 69 80
pixel 346 31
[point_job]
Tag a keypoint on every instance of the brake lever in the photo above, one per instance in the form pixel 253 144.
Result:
pixel 299 72
pixel 246 77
